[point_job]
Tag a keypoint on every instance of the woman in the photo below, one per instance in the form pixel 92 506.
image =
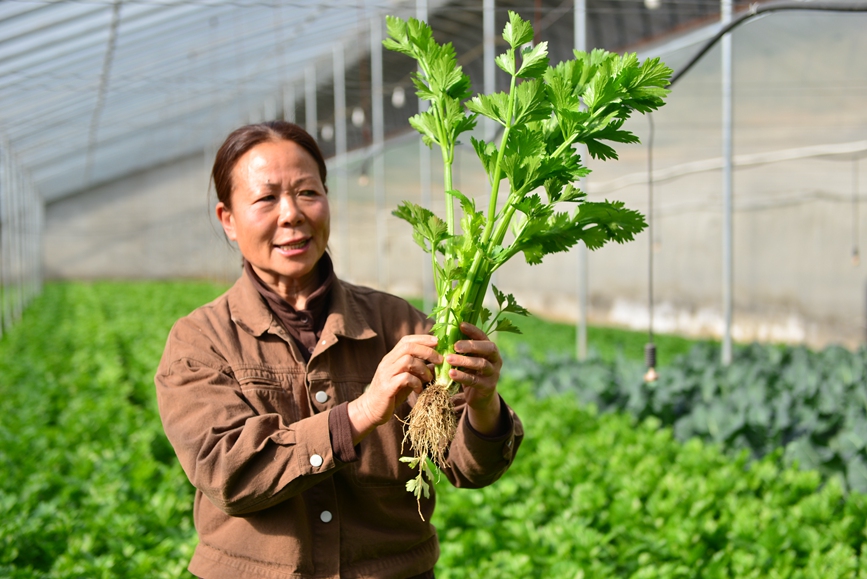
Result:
pixel 284 397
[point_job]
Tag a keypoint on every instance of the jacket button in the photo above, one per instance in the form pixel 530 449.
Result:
pixel 321 397
pixel 316 460
pixel 325 516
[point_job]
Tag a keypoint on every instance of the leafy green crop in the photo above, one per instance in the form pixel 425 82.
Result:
pixel 813 404
pixel 90 485
pixel 543 117
pixel 600 496
pixel 546 112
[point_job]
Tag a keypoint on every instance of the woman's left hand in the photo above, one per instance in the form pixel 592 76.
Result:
pixel 476 366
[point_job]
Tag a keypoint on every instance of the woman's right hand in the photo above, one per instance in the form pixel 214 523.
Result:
pixel 401 371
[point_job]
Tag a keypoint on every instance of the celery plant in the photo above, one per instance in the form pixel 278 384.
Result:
pixel 546 112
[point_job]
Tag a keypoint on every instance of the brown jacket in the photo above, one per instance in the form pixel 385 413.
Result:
pixel 248 420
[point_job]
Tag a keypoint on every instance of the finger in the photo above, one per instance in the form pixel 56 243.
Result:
pixel 417 368
pixel 426 339
pixel 473 364
pixel 421 346
pixel 482 348
pixel 472 332
pixel 476 355
pixel 461 376
pixel 402 383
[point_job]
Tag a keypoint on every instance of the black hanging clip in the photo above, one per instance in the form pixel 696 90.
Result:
pixel 650 362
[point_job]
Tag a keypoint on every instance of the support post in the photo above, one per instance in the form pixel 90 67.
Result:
pixel 580 25
pixel 489 126
pixel 289 102
pixel 310 120
pixel 424 153
pixel 18 236
pixel 378 121
pixel 4 235
pixel 727 249
pixel 490 69
pixel 342 193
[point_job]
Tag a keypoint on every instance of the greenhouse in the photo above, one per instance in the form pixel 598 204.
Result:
pixel 747 457
pixel 113 107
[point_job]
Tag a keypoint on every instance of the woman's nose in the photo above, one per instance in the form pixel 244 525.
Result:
pixel 290 213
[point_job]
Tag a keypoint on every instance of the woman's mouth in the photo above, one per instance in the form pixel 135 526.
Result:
pixel 293 246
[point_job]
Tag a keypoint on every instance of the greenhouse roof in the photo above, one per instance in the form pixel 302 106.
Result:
pixel 94 90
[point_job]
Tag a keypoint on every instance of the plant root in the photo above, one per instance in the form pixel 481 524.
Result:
pixel 431 424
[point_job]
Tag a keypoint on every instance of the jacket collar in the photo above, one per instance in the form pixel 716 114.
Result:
pixel 250 312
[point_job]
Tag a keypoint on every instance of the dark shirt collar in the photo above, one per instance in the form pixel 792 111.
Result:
pixel 343 317
pixel 305 326
pixel 317 303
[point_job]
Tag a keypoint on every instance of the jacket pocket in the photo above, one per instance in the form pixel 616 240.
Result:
pixel 270 392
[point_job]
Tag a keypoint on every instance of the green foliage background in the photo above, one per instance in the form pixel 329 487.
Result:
pixel 603 496
pixel 91 488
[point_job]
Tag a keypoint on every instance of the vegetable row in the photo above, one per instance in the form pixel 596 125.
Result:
pixel 811 404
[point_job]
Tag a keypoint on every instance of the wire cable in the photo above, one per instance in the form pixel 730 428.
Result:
pixel 103 89
pixel 758 10
pixel 650 347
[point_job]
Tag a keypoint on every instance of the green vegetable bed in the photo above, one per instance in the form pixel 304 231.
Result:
pixel 599 496
pixel 91 488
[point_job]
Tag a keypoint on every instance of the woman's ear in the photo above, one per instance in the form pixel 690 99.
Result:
pixel 227 220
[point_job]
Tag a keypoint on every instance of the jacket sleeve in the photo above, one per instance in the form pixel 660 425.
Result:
pixel 475 460
pixel 241 459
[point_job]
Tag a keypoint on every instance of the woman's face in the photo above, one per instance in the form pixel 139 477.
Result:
pixel 279 214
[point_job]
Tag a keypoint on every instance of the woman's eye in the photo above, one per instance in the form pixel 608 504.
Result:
pixel 266 198
pixel 309 193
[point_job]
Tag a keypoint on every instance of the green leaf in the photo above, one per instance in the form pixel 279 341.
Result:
pixel 610 132
pixel 526 163
pixel 593 223
pixel 572 194
pixel 429 231
pixel 517 31
pixel 399 40
pixel 494 106
pixel 607 221
pixel 468 204
pixel 456 120
pixel 410 460
pixel 531 103
pixel 487 154
pixel 506 325
pixel 511 305
pixel 426 124
pixel 484 316
pixel 506 61
pixel 534 61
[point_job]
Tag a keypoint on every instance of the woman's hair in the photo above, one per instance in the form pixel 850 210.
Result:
pixel 245 138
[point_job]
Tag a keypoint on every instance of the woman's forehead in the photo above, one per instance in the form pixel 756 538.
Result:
pixel 277 160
